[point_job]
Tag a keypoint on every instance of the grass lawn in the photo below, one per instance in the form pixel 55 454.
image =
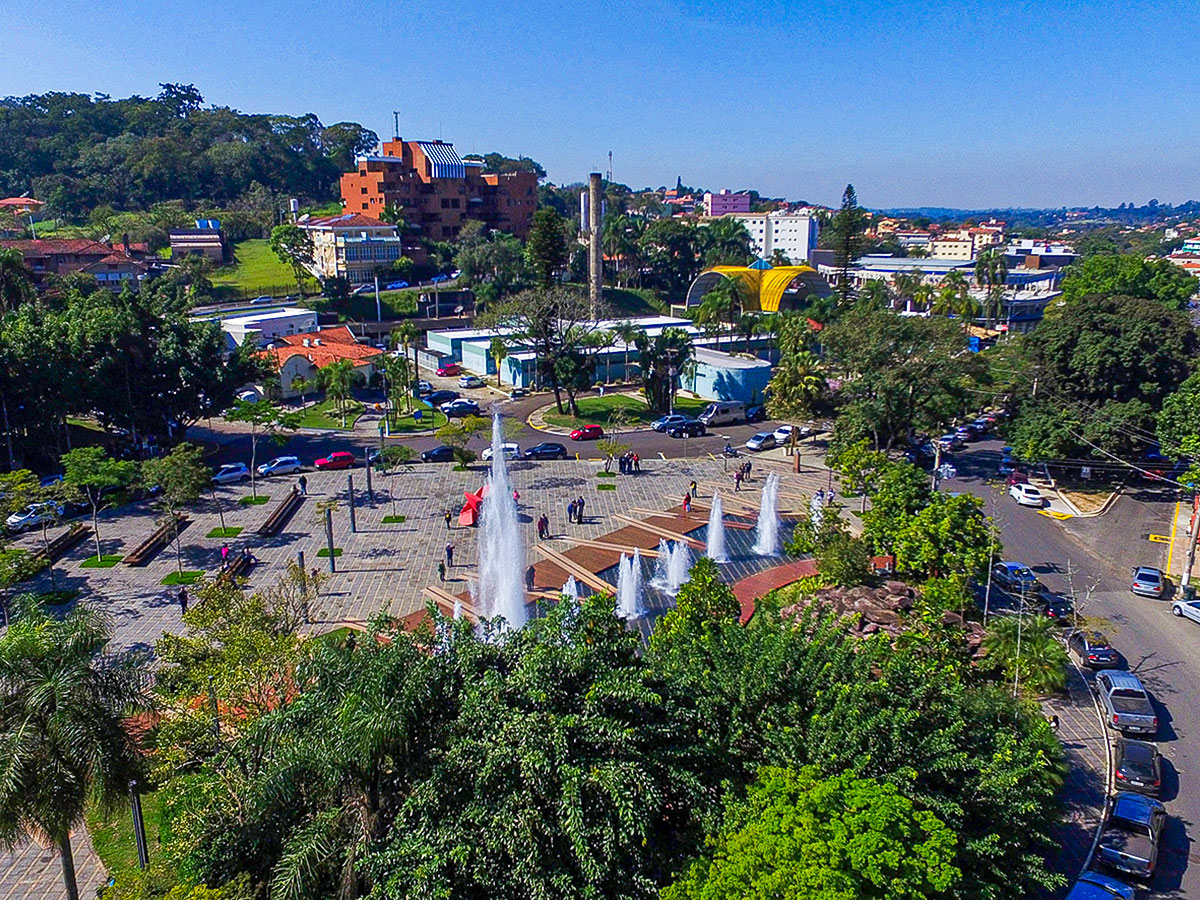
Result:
pixel 596 410
pixel 188 577
pixel 324 552
pixel 394 520
pixel 250 501
pixel 112 834
pixel 606 487
pixel 219 532
pixel 603 474
pixel 636 302
pixel 256 270
pixel 404 423
pixel 325 415
pixel 361 308
pixel 107 561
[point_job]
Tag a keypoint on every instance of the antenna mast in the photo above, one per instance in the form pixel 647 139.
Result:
pixel 609 178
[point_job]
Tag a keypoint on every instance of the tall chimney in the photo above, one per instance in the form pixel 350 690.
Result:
pixel 595 254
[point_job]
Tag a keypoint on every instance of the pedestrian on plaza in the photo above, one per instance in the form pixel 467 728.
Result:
pixel 447 518
pixel 303 485
pixel 579 509
pixel 450 554
pixel 687 503
pixel 829 498
pixel 637 463
pixel 529 576
pixel 621 464
pixel 821 497
pixel 224 554
pixel 692 488
pixel 737 479
pixel 183 601
pixel 747 470
pixel 441 570
pixel 516 496
pixel 571 511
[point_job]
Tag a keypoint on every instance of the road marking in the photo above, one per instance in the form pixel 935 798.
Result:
pixel 1055 515
pixel 1174 526
pixel 1159 539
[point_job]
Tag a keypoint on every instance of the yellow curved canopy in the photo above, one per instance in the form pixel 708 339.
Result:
pixel 766 286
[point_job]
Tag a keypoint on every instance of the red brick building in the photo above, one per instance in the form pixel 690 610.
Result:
pixel 113 268
pixel 438 190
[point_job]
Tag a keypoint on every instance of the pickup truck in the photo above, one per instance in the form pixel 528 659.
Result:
pixel 1129 842
pixel 1126 704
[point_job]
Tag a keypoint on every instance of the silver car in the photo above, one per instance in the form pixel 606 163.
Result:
pixel 1148 581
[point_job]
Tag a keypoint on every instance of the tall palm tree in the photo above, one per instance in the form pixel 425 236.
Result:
pixel 991 272
pixel 906 285
pixel 748 325
pixel 627 332
pixel 338 380
pixel 875 294
pixel 63 739
pixel 798 381
pixel 404 338
pixel 953 298
pixel 721 304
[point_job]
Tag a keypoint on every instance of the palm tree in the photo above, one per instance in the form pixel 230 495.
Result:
pixel 954 298
pixel 991 272
pixel 404 337
pixel 906 284
pixel 499 351
pixel 63 739
pixel 1026 650
pixel 627 333
pixel 797 382
pixel 721 304
pixel 748 325
pixel 875 294
pixel 338 379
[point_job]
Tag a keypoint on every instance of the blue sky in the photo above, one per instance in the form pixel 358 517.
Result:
pixel 967 104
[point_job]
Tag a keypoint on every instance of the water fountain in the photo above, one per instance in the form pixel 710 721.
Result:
pixel 571 588
pixel 629 587
pixel 501 589
pixel 671 569
pixel 716 531
pixel 766 532
pixel 816 509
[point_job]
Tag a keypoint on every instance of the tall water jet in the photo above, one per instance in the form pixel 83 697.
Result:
pixel 629 587
pixel 571 588
pixel 766 532
pixel 501 591
pixel 671 569
pixel 716 531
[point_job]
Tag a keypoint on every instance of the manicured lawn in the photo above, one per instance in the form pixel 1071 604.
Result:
pixel 219 532
pixel 404 423
pixel 112 833
pixel 188 577
pixel 393 305
pixel 324 552
pixel 606 487
pixel 394 520
pixel 596 410
pixel 256 270
pixel 325 415
pixel 603 474
pixel 251 501
pixel 107 561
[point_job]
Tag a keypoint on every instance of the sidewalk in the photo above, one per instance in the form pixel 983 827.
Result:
pixel 1085 788
pixel 32 873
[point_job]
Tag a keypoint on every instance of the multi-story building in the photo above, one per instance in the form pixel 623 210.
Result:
pixel 793 236
pixel 910 239
pixel 438 190
pixel 952 248
pixel 353 246
pixel 726 202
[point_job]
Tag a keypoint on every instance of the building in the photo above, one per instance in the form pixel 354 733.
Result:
pixel 718 375
pixel 1038 254
pixel 299 356
pixel 952 248
pixel 765 287
pixel 910 239
pixel 62 257
pixel 353 246
pixel 263 327
pixel 206 239
pixel 438 190
pixel 793 236
pixel 117 271
pixel 726 202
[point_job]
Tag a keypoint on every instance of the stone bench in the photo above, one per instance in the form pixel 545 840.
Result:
pixel 145 551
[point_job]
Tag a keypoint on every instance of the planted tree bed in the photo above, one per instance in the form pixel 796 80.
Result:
pixel 64 542
pixel 145 551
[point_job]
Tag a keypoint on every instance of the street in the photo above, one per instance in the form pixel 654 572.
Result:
pixel 1161 649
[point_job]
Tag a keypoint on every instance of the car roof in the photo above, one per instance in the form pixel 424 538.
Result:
pixel 1106 887
pixel 1012 565
pixel 1129 805
pixel 1124 680
pixel 1137 751
pixel 1094 637
pixel 765 434
pixel 1147 570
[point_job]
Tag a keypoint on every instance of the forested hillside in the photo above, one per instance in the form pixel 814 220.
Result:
pixel 79 152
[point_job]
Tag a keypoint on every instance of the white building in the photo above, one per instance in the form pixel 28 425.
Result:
pixel 351 245
pixel 793 236
pixel 267 326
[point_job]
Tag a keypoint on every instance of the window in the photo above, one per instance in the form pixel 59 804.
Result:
pixel 364 190
pixel 364 206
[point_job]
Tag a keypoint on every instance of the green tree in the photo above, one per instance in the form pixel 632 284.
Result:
pixel 899 492
pixel 800 835
pixel 266 419
pixel 16 281
pixel 457 433
pixel 546 248
pixel 874 295
pixel 842 559
pixel 627 333
pixel 611 448
pixel 94 474
pixel 725 242
pixel 848 229
pixel 950 535
pixel 1129 275
pixel 859 469
pixel 399 383
pixel 662 359
pixel 499 352
pixel 721 305
pixel 62 727
pixel 338 379
pixel 991 273
pixel 670 249
pixel 1026 650
pixel 181 477
pixel 294 247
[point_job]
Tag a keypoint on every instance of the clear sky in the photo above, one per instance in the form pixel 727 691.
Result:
pixel 968 104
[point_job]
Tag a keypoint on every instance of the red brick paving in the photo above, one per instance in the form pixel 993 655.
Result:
pixel 748 589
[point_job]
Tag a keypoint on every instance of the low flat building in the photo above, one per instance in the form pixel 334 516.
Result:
pixel 298 357
pixel 265 326
pixel 718 375
pixel 206 240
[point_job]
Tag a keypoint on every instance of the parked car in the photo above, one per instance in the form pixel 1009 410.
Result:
pixel 1148 581
pixel 1098 886
pixel 509 449
pixel 362 289
pixel 262 301
pixel 33 515
pixel 1092 649
pixel 231 473
pixel 338 459
pixel 280 465
pixel 687 428
pixel 1188 609
pixel 966 434
pixel 1015 576
pixel 662 423
pixel 1126 703
pixel 396 285
pixel 724 413
pixel 445 370
pixel 470 381
pixel 248 396
pixel 764 440
pixel 783 434
pixel 1137 766
pixel 756 413
pixel 982 426
pixel 517 393
pixel 546 450
pixel 1129 842
pixel 438 454
pixel 457 409
pixel 437 398
pixel 1057 607
pixel 949 442
pixel 587 433
pixel 424 388
pixel 1027 495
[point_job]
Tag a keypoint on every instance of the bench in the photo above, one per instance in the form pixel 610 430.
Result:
pixel 158 539
pixel 239 568
pixel 61 544
pixel 281 514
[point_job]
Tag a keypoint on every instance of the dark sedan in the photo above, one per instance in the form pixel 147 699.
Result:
pixel 546 450
pixel 437 398
pixel 690 428
pixel 438 454
pixel 1137 766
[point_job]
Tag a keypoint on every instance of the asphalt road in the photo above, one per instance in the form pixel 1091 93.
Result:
pixel 1162 650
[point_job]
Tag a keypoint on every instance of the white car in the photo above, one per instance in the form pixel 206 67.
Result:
pixel 510 451
pixel 470 381
pixel 1188 609
pixel 32 516
pixel 1027 495
pixel 280 465
pixel 764 440
pixel 248 396
pixel 783 434
pixel 231 473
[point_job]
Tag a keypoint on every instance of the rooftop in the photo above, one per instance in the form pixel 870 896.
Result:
pixel 344 220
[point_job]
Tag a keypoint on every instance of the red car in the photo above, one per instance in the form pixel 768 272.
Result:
pixel 587 433
pixel 449 369
pixel 341 459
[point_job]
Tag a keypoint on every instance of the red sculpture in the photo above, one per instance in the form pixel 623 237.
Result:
pixel 469 515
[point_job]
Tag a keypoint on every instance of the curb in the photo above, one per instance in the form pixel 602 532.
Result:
pixel 1108 776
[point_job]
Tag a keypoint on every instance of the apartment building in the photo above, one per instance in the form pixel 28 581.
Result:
pixel 353 246
pixel 793 236
pixel 726 202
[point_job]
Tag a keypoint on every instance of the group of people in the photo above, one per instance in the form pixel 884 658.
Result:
pixel 575 511
pixel 740 474
pixel 629 463
pixel 448 561
pixel 228 557
pixel 543 527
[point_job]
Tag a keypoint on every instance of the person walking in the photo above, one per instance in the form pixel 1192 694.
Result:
pixel 692 489
pixel 687 503
pixel 446 516
pixel 571 511
pixel 737 479
pixel 183 601
pixel 224 554
pixel 441 570
pixel 747 470
pixel 303 485
pixel 529 576
pixel 579 509
pixel 449 554
pixel 637 463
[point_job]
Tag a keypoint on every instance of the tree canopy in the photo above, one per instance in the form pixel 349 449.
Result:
pixel 1129 275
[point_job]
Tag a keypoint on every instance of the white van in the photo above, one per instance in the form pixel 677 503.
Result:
pixel 723 414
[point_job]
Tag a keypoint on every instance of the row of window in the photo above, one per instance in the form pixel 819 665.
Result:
pixel 373 251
